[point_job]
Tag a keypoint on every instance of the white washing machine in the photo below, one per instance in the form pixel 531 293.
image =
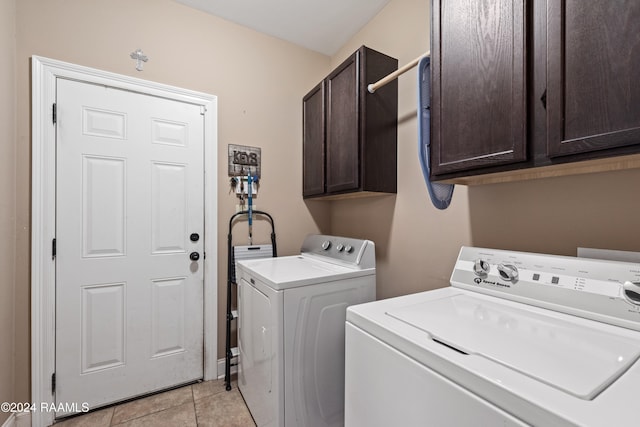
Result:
pixel 518 339
pixel 291 317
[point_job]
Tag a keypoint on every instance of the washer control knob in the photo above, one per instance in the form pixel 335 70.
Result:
pixel 340 247
pixel 326 245
pixel 481 267
pixel 348 249
pixel 631 291
pixel 508 272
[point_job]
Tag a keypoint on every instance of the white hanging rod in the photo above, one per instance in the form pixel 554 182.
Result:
pixel 383 81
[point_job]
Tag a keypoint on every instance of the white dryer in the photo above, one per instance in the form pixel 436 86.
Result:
pixel 291 317
pixel 518 339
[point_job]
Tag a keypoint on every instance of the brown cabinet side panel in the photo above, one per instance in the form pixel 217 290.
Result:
pixel 593 68
pixel 313 106
pixel 379 139
pixel 478 84
pixel 342 127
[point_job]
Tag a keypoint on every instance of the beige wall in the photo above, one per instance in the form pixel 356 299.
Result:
pixel 416 244
pixel 7 198
pixel 557 215
pixel 259 81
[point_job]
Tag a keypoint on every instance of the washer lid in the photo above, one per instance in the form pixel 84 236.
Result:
pixel 293 271
pixel 579 360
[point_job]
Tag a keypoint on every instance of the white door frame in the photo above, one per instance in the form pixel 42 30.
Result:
pixel 44 72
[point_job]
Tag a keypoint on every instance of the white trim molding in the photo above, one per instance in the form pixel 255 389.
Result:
pixel 10 422
pixel 18 419
pixel 44 73
pixel 221 367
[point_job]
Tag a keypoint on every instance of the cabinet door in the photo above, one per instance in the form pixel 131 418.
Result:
pixel 342 126
pixel 593 93
pixel 479 84
pixel 313 106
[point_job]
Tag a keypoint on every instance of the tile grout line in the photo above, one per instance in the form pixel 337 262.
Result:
pixel 193 402
pixel 171 405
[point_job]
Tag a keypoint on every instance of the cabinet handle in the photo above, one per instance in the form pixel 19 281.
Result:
pixel 543 99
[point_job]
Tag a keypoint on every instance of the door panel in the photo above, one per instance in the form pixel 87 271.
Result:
pixel 103 332
pixel 130 190
pixel 343 129
pixel 103 207
pixel 313 112
pixel 168 314
pixel 593 99
pixel 479 84
pixel 168 208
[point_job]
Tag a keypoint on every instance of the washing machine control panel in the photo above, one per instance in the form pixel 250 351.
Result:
pixel 601 290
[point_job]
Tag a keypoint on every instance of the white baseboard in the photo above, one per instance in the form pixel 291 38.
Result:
pixel 22 419
pixel 234 368
pixel 10 422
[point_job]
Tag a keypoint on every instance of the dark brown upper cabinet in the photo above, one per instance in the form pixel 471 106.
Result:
pixel 478 66
pixel 313 111
pixel 349 134
pixel 593 64
pixel 527 89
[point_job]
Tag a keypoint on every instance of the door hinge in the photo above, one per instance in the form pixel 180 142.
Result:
pixel 203 110
pixel 53 249
pixel 53 382
pixel 55 113
pixel 543 99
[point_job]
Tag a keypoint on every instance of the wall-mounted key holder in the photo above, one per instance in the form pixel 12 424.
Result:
pixel 244 170
pixel 244 160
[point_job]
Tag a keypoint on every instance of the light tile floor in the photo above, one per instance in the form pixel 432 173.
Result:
pixel 205 404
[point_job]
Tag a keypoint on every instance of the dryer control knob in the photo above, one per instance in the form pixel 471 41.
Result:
pixel 348 249
pixel 632 292
pixel 508 272
pixel 481 267
pixel 326 245
pixel 340 247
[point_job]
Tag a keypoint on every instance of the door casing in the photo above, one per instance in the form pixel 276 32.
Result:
pixel 44 72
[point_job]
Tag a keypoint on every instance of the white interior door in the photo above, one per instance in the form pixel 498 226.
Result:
pixel 130 191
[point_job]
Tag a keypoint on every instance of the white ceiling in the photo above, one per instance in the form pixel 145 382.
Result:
pixel 320 25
